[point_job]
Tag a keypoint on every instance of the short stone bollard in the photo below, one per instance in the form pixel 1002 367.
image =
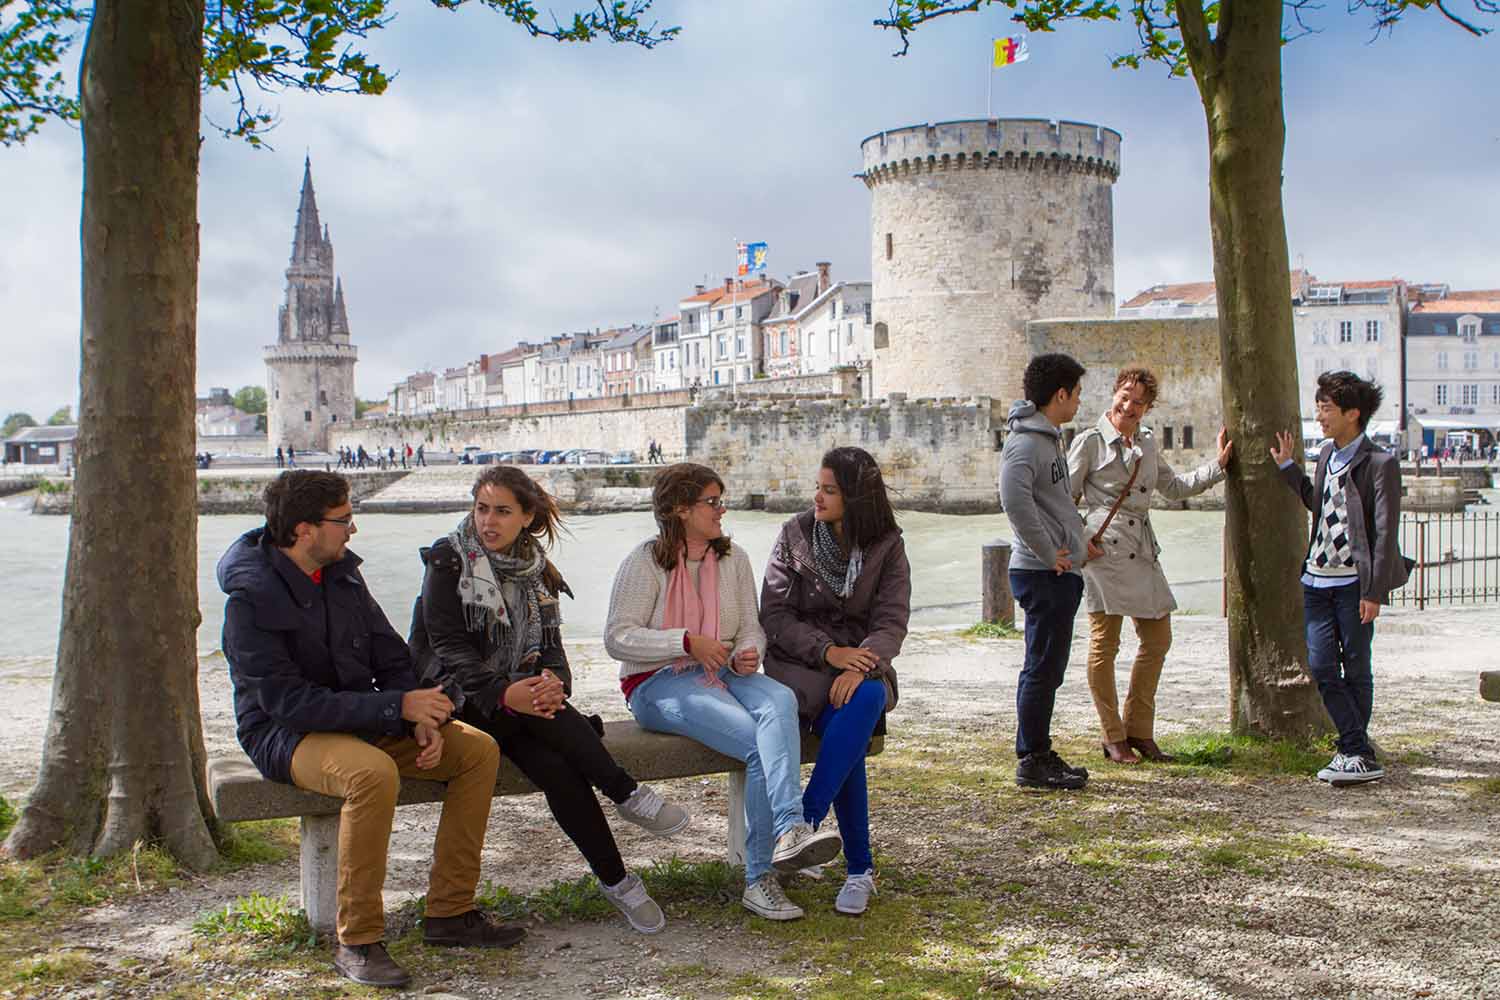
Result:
pixel 1489 685
pixel 998 605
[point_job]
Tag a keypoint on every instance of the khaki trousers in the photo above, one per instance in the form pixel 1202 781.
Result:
pixel 1155 635
pixel 368 777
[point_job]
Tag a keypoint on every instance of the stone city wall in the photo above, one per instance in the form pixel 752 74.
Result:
pixel 234 444
pixel 1184 354
pixel 936 455
pixel 839 382
pixel 223 494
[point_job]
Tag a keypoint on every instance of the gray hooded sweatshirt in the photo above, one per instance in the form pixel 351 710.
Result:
pixel 1035 493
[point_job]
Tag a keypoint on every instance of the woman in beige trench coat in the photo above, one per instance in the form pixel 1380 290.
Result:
pixel 1128 579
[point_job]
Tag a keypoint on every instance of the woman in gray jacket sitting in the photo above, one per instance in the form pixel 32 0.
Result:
pixel 834 605
pixel 1115 467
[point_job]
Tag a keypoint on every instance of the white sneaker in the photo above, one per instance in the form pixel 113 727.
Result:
pixel 631 898
pixel 1333 767
pixel 854 897
pixel 766 898
pixel 648 810
pixel 804 847
pixel 1357 770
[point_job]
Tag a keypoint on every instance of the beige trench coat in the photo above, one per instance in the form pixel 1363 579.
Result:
pixel 1128 578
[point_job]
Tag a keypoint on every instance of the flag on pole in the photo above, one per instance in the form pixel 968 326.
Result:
pixel 1010 50
pixel 751 258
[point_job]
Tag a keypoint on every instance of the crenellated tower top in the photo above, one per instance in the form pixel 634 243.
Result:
pixel 991 143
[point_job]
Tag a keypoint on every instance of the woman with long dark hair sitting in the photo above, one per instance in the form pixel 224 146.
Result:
pixel 684 626
pixel 487 629
pixel 835 605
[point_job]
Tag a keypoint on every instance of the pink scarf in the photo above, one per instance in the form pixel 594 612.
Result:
pixel 694 608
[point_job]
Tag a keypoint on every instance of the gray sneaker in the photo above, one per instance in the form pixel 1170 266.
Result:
pixel 765 897
pixel 631 898
pixel 854 897
pixel 1335 766
pixel 652 813
pixel 804 847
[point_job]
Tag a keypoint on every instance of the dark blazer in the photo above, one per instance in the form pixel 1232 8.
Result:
pixel 464 662
pixel 802 615
pixel 1373 495
pixel 304 657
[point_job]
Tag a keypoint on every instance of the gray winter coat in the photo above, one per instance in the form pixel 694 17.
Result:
pixel 802 615
pixel 1373 494
pixel 1035 493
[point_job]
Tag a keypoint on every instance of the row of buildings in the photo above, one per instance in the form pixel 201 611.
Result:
pixel 1436 350
pixel 726 335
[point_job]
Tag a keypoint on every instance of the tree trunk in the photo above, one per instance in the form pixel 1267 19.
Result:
pixel 1239 78
pixel 124 758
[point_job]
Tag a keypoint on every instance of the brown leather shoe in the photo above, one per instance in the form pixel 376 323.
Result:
pixel 369 964
pixel 470 930
pixel 1148 749
pixel 1120 753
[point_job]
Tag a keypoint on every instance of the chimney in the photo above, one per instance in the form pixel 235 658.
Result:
pixel 728 284
pixel 699 289
pixel 823 280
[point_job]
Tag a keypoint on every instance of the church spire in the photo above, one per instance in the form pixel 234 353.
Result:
pixel 307 240
pixel 340 325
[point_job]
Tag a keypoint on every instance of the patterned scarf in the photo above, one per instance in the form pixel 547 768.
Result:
pixel 502 593
pixel 837 570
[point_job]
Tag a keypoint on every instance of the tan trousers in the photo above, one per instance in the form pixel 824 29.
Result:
pixel 1155 635
pixel 368 777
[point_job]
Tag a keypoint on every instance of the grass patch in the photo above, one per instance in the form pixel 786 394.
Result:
pixel 992 630
pixel 1480 787
pixel 261 920
pixel 52 885
pixel 55 967
pixel 257 842
pixel 8 816
pixel 1251 756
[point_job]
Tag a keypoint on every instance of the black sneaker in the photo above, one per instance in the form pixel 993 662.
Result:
pixel 1354 770
pixel 1047 770
pixel 1082 772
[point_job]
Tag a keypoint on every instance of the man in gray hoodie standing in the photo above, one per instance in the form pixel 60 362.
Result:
pixel 1047 556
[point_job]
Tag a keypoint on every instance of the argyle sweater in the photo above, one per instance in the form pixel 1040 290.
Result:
pixel 1331 554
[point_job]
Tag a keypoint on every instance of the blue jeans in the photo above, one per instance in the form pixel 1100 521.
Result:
pixel 1050 601
pixel 838 776
pixel 1338 657
pixel 753 719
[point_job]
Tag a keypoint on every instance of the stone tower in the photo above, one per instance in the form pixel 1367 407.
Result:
pixel 977 227
pixel 310 368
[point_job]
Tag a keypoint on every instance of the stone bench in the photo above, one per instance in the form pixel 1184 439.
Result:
pixel 239 793
pixel 1489 685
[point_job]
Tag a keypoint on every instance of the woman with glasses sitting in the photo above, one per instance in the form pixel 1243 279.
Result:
pixel 683 624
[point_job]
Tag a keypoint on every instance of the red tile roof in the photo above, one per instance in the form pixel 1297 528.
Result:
pixel 751 290
pixel 1453 305
pixel 1196 291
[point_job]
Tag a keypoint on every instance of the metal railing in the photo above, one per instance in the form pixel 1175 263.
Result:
pixel 1457 556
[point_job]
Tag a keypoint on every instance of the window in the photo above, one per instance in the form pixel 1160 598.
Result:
pixel 723 345
pixel 848 332
pixel 1495 393
pixel 745 373
pixel 1346 331
pixel 1372 331
pixel 739 345
pixel 322 397
pixel 1441 329
pixel 719 316
pixel 868 307
pixel 889 247
pixel 782 345
pixel 1469 330
pixel 739 312
pixel 1187 436
pixel 1166 439
pixel 1440 394
pixel 1471 360
pixel 1470 395
pixel 307 416
pixel 834 306
pixel 1442 360
pixel 333 419
pixel 672 361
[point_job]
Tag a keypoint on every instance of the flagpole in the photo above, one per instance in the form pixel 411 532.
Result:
pixel 989 101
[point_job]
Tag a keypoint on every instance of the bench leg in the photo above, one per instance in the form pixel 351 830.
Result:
pixel 737 817
pixel 320 872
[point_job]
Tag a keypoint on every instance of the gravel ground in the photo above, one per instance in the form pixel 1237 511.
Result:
pixel 1407 908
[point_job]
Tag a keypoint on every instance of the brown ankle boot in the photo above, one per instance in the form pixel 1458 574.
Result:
pixel 1147 748
pixel 1120 753
pixel 369 964
pixel 470 930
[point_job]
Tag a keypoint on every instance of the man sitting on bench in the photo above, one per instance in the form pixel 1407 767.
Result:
pixel 326 699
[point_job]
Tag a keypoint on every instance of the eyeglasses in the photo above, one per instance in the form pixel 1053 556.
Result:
pixel 347 521
pixel 715 503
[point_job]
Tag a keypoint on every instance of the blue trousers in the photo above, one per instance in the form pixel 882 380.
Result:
pixel 752 718
pixel 1338 657
pixel 1050 601
pixel 838 776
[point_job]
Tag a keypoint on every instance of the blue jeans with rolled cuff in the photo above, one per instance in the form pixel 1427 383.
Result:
pixel 838 776
pixel 1338 657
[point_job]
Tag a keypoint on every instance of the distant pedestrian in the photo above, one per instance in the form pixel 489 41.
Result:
pixel 391 454
pixel 421 456
pixel 405 454
pixel 280 458
pixel 291 457
pixel 1353 562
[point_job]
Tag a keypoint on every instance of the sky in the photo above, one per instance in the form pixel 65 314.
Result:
pixel 506 188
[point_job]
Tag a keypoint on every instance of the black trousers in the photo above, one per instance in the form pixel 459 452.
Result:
pixel 566 759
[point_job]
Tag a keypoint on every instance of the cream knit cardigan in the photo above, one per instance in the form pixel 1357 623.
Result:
pixel 633 632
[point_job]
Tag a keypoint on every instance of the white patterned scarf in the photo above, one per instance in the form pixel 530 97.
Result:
pixel 839 571
pixel 502 592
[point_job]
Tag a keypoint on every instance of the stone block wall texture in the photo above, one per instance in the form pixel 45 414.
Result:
pixel 1184 354
pixel 976 228
pixel 937 455
pixel 308 377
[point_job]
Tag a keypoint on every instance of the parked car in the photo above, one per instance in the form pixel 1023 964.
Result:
pixel 588 456
pixel 486 458
pixel 546 457
pixel 624 458
pixel 527 457
pixel 562 457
